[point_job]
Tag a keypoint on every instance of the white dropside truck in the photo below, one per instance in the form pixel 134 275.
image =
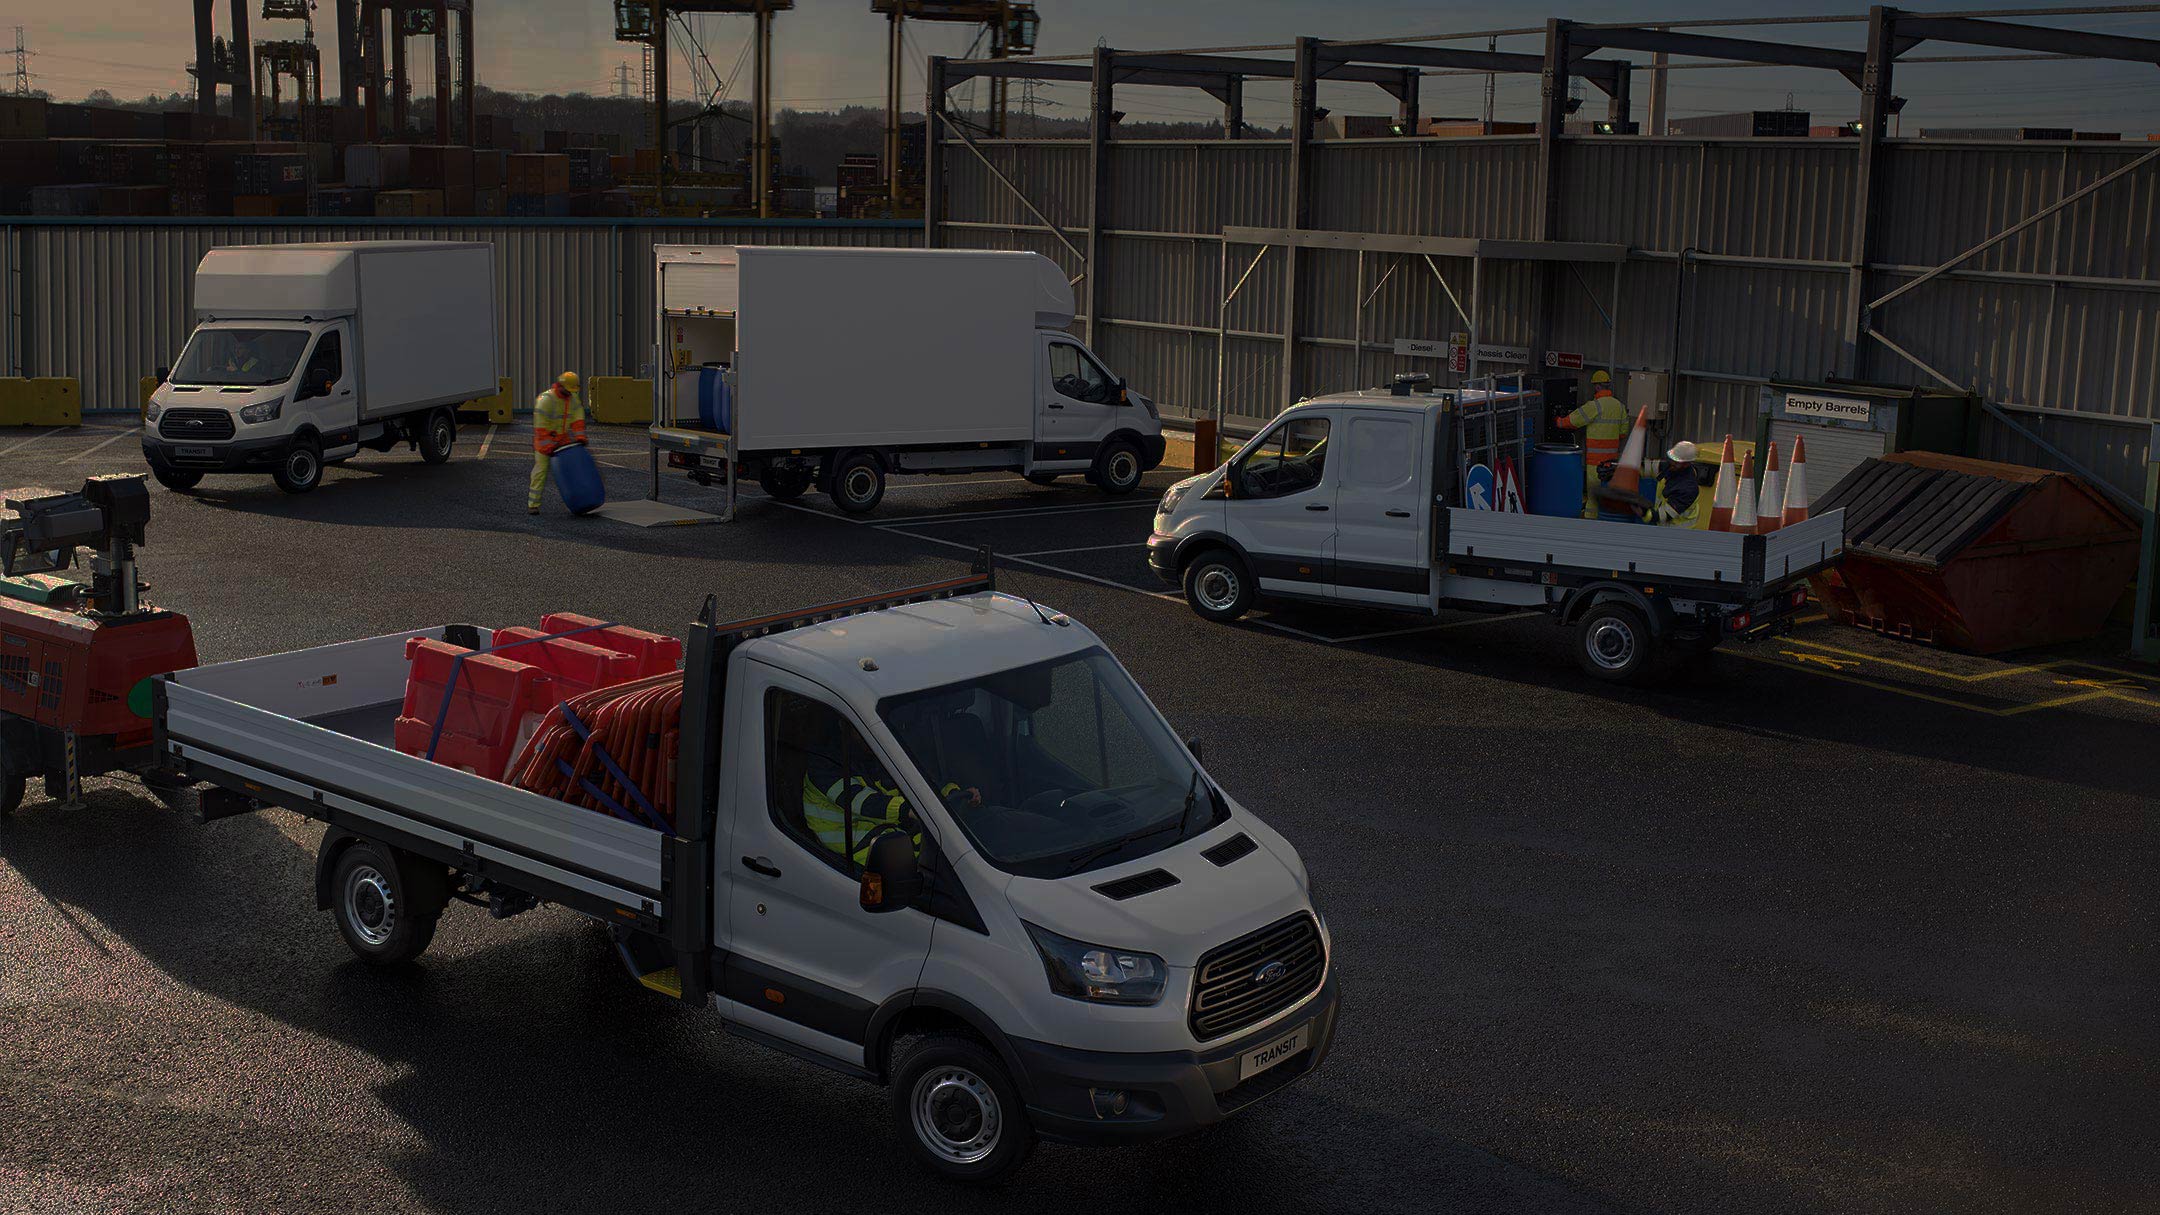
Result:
pixel 1347 500
pixel 841 366
pixel 305 354
pixel 1073 934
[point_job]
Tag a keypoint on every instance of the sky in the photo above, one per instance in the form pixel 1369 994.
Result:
pixel 830 53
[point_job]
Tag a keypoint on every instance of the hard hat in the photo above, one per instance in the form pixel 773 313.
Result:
pixel 1682 452
pixel 1601 376
pixel 569 380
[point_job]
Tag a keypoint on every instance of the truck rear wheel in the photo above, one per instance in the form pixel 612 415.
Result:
pixel 786 484
pixel 958 1108
pixel 1613 642
pixel 300 470
pixel 857 483
pixel 1218 586
pixel 386 908
pixel 437 436
pixel 1117 468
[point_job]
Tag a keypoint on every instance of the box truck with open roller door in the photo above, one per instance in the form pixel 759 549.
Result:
pixel 834 368
pixel 305 354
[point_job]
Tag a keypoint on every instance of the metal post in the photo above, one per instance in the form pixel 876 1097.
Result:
pixel 442 71
pixel 1233 99
pixel 1612 321
pixel 1875 86
pixel 1357 343
pixel 348 52
pixel 1303 82
pixel 243 82
pixel 399 86
pixel 1477 279
pixel 895 60
pixel 1619 107
pixel 205 81
pixel 764 180
pixel 660 103
pixel 1406 110
pixel 1222 331
pixel 1658 64
pixel 1101 92
pixel 1552 115
pixel 371 68
pixel 2144 640
pixel 467 76
pixel 934 152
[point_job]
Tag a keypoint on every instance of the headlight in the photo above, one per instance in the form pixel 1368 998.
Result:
pixel 1172 496
pixel 265 412
pixel 151 412
pixel 1081 971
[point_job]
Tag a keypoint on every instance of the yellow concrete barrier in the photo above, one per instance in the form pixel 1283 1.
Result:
pixel 148 384
pixel 497 408
pixel 619 400
pixel 43 401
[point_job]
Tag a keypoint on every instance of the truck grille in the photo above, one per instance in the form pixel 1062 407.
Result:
pixel 188 425
pixel 1228 991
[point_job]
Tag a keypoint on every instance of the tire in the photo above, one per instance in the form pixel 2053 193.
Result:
pixel 1117 468
pixel 178 480
pixel 785 484
pixel 437 436
pixel 1613 642
pixel 386 916
pixel 1218 586
pixel 11 792
pixel 301 469
pixel 1042 478
pixel 857 483
pixel 958 1109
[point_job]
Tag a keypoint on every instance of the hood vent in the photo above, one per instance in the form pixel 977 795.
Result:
pixel 1236 848
pixel 1137 885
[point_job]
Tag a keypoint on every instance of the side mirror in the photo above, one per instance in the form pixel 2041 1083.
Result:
pixel 1193 745
pixel 891 880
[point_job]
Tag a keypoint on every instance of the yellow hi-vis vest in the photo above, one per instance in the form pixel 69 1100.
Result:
pixel 556 421
pixel 1604 422
pixel 852 810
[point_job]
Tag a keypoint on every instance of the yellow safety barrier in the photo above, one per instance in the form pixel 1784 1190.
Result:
pixel 148 384
pixel 619 400
pixel 43 401
pixel 497 408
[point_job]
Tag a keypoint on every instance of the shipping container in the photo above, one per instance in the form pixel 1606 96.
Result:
pixel 22 117
pixel 342 202
pixel 135 200
pixel 1746 124
pixel 440 167
pixel 490 169
pixel 409 203
pixel 271 174
pixel 541 173
pixel 71 200
pixel 1995 134
pixel 378 166
pixel 537 206
pixel 488 202
pixel 269 206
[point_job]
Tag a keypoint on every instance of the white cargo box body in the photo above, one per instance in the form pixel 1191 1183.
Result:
pixel 889 347
pixel 423 312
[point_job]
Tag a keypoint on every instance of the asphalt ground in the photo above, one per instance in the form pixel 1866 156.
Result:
pixel 1833 924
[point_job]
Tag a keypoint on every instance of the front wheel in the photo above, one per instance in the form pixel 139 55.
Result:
pixel 384 914
pixel 857 484
pixel 437 437
pixel 959 1110
pixel 301 469
pixel 1218 586
pixel 1613 642
pixel 1117 468
pixel 178 480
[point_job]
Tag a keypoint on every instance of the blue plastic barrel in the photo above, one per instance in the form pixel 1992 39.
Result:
pixel 716 406
pixel 577 479
pixel 1556 480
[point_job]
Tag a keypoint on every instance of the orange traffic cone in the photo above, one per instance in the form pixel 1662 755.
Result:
pixel 1770 513
pixel 1795 486
pixel 1627 475
pixel 1743 512
pixel 1721 499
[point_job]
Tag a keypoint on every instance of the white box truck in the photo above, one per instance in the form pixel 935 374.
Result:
pixel 304 354
pixel 836 367
pixel 1055 937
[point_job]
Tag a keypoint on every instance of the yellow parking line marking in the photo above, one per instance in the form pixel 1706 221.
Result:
pixel 487 440
pixel 1800 664
pixel 1984 676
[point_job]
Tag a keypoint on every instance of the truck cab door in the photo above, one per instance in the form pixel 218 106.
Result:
pixel 1282 504
pixel 326 394
pixel 1380 520
pixel 1078 406
pixel 802 960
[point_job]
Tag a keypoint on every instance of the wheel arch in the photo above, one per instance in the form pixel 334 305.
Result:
pixel 334 843
pixel 1654 608
pixel 928 1010
pixel 1199 542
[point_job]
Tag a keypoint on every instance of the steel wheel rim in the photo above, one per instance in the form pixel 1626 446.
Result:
pixel 1123 468
pixel 1216 587
pixel 956 1115
pixel 300 466
pixel 1611 644
pixel 443 436
pixel 860 484
pixel 370 907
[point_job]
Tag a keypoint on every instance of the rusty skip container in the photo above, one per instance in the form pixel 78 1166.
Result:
pixel 1974 555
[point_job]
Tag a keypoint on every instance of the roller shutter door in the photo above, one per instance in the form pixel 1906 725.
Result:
pixel 1832 451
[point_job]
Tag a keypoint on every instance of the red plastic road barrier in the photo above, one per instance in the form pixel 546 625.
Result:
pixel 579 664
pixel 496 702
pixel 657 653
pixel 624 764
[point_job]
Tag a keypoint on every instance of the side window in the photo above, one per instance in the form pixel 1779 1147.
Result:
pixel 1075 375
pixel 1290 460
pixel 825 786
pixel 1380 452
pixel 328 361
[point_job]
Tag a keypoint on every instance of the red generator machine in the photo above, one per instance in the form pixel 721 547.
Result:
pixel 76 660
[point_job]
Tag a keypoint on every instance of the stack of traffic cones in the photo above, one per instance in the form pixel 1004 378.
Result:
pixel 1771 515
pixel 1721 498
pixel 1626 483
pixel 1744 519
pixel 1796 486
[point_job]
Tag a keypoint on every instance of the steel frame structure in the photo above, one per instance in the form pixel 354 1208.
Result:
pixel 410 19
pixel 651 17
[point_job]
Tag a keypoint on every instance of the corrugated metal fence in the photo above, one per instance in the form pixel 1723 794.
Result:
pixel 2060 325
pixel 111 301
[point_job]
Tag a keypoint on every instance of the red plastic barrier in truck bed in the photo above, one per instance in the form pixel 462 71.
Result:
pixel 657 653
pixel 579 664
pixel 495 706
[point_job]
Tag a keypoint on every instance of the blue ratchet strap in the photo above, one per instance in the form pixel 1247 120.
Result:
pixel 457 668
pixel 613 807
pixel 637 795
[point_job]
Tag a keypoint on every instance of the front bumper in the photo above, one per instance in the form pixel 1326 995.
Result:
pixel 239 455
pixel 1167 1092
pixel 1162 557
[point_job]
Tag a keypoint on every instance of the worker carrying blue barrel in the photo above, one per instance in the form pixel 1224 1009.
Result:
pixel 558 419
pixel 1604 421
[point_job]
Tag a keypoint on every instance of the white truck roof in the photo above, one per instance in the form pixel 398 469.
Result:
pixel 716 290
pixel 925 645
pixel 297 280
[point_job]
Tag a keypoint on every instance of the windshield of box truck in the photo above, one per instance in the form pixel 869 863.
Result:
pixel 1056 768
pixel 240 357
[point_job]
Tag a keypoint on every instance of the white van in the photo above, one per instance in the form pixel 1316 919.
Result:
pixel 305 354
pixel 1072 932
pixel 835 367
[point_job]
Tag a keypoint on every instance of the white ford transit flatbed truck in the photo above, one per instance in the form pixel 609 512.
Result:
pixel 1075 934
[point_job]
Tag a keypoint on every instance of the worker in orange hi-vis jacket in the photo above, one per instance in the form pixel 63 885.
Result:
pixel 558 418
pixel 1604 421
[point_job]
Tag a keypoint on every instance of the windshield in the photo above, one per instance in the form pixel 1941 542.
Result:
pixel 1055 768
pixel 241 357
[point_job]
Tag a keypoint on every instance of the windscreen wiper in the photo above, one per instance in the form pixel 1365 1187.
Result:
pixel 1102 850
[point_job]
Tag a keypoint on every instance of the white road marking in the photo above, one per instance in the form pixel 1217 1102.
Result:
pixel 1025 512
pixel 485 441
pixel 969 548
pixel 1092 548
pixel 1432 628
pixel 98 447
pixel 32 439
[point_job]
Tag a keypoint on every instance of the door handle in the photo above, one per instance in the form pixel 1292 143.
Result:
pixel 1316 507
pixel 1398 514
pixel 1054 405
pixel 758 864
